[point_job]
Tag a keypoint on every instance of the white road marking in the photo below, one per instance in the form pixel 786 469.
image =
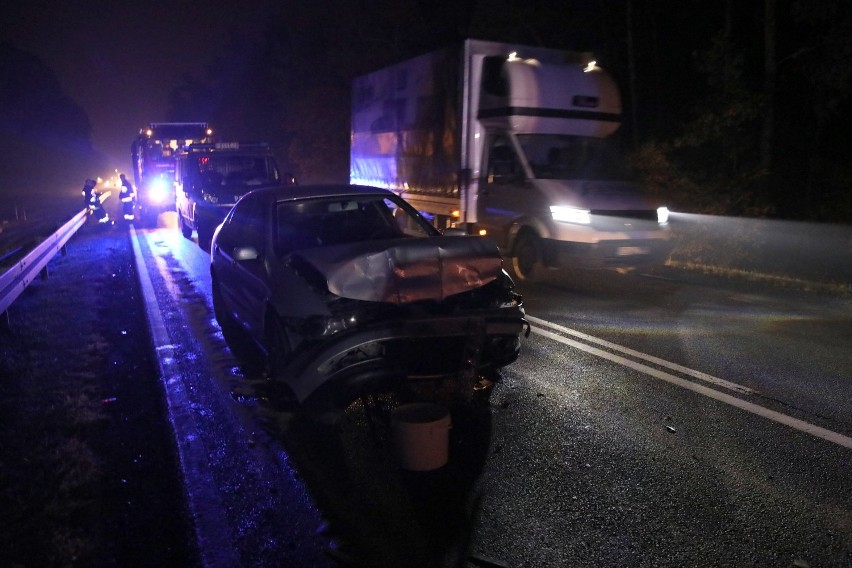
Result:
pixel 800 425
pixel 650 358
pixel 208 510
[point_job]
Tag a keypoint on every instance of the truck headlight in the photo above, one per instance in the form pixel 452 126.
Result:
pixel 662 215
pixel 158 191
pixel 570 214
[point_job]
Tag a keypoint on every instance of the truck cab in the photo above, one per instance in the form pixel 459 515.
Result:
pixel 153 154
pixel 210 178
pixel 565 200
pixel 553 188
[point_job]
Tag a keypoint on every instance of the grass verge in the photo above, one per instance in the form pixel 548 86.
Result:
pixel 88 468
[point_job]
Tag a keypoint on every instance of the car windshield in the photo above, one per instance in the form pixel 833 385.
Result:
pixel 334 221
pixel 559 156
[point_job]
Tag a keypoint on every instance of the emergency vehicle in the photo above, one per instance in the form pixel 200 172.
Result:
pixel 153 153
pixel 210 178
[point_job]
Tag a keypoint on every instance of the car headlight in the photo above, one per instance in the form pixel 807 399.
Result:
pixel 319 326
pixel 662 215
pixel 571 214
pixel 345 315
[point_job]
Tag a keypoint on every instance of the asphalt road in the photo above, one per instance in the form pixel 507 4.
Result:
pixel 650 421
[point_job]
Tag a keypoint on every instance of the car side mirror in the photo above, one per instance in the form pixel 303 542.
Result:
pixel 245 253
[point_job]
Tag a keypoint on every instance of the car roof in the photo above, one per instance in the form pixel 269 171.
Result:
pixel 296 192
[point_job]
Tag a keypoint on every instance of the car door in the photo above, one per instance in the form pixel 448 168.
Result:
pixel 240 249
pixel 177 182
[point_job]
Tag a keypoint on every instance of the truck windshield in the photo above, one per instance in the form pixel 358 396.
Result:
pixel 154 152
pixel 560 156
pixel 218 170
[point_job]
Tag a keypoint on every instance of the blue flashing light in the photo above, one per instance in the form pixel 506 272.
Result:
pixel 158 191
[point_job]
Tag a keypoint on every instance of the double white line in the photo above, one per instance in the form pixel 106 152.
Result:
pixel 617 354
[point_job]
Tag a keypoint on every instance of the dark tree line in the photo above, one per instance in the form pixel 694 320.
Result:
pixel 738 108
pixel 45 137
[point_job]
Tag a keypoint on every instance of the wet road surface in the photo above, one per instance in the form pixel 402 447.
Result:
pixel 616 438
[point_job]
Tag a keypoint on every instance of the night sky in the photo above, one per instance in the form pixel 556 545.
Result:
pixel 119 60
pixel 692 74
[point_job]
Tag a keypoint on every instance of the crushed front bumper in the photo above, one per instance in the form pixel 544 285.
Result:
pixel 424 347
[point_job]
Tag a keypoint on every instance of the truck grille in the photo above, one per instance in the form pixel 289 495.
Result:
pixel 626 220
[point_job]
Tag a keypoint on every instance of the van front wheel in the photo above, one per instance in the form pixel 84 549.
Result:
pixel 526 258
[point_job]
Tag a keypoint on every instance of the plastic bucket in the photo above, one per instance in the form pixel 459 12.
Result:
pixel 421 433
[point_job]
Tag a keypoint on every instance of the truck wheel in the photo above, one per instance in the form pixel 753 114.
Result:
pixel 185 230
pixel 149 218
pixel 205 236
pixel 527 256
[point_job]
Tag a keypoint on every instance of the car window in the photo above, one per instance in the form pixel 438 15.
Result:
pixel 408 224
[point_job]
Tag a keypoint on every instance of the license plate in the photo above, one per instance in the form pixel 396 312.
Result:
pixel 630 251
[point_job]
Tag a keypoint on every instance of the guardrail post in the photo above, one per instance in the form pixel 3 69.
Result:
pixel 63 250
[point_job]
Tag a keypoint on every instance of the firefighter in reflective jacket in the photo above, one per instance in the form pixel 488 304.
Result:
pixel 92 201
pixel 127 195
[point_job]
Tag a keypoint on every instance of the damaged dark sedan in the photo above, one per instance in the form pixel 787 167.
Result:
pixel 348 291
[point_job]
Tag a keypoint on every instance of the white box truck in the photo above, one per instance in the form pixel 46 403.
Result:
pixel 512 142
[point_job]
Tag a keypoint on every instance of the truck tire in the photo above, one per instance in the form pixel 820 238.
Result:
pixel 205 236
pixel 185 229
pixel 148 218
pixel 526 256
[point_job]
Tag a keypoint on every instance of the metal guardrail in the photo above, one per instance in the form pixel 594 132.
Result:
pixel 15 280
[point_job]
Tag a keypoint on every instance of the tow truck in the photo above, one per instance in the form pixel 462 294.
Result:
pixel 153 154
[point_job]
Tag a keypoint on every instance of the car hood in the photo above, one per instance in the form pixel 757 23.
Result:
pixel 406 270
